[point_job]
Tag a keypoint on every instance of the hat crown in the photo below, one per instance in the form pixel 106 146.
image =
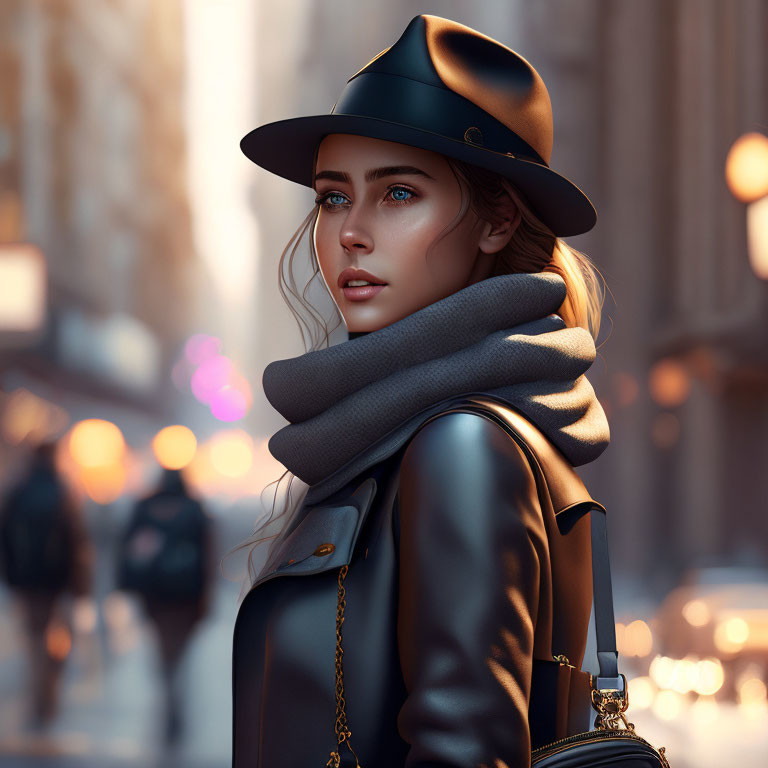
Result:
pixel 448 55
pixel 446 88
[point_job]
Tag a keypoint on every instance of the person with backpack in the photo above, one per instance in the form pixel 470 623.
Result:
pixel 45 557
pixel 166 559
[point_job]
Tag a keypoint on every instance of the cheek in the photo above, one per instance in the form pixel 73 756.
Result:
pixel 324 237
pixel 441 260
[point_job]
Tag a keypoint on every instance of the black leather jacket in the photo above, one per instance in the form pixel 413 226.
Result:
pixel 469 568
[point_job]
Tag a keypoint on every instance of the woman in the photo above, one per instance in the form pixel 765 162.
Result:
pixel 442 524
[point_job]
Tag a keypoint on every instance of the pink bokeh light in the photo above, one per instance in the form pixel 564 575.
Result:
pixel 213 374
pixel 228 404
pixel 201 347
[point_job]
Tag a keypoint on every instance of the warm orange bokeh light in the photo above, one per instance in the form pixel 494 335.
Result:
pixel 174 446
pixel 96 443
pixel 746 167
pixel 710 677
pixel 752 691
pixel 231 452
pixel 669 383
pixel 104 484
pixel 58 641
pixel 29 417
pixel 731 634
pixel 696 613
pixel 638 639
pixel 22 287
pixel 757 237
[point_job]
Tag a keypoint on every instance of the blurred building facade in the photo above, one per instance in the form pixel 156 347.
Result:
pixel 647 99
pixel 657 93
pixel 92 164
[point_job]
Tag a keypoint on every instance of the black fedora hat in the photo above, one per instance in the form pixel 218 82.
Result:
pixel 444 87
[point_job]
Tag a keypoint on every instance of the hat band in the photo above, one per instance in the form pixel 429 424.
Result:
pixel 426 107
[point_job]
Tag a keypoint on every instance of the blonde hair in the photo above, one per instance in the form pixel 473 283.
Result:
pixel 532 248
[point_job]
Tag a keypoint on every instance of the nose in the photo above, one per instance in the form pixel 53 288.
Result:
pixel 354 236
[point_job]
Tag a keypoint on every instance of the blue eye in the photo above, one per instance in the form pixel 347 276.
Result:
pixel 398 191
pixel 326 200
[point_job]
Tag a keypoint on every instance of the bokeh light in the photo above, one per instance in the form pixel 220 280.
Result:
pixel 705 710
pixel 667 705
pixel 201 347
pixel 731 634
pixel 96 443
pixel 710 677
pixel 669 383
pixel 757 237
pixel 213 374
pixel 746 167
pixel 752 691
pixel 661 670
pixel 232 452
pixel 174 446
pixel 696 613
pixel 58 641
pixel 685 674
pixel 637 639
pixel 104 484
pixel 641 691
pixel 28 417
pixel 228 404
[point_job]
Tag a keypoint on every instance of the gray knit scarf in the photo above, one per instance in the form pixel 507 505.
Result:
pixel 355 403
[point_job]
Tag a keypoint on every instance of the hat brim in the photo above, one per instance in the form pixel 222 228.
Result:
pixel 287 148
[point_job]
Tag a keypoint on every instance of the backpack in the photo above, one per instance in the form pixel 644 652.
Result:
pixel 36 537
pixel 164 550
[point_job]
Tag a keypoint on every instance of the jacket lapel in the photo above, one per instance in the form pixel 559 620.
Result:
pixel 324 539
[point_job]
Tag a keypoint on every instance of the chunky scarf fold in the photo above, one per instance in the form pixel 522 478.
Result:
pixel 353 404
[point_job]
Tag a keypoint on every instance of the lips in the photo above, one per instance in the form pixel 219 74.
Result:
pixel 358 274
pixel 362 292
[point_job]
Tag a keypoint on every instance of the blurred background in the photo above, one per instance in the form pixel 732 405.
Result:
pixel 139 306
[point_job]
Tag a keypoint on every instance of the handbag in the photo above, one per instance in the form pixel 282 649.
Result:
pixel 613 742
pixel 609 744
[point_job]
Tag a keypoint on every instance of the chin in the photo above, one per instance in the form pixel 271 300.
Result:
pixel 365 320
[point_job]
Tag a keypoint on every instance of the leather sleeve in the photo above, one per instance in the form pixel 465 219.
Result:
pixel 470 530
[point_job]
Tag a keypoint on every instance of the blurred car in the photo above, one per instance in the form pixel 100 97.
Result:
pixel 718 613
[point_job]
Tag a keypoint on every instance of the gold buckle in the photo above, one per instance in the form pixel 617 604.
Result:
pixel 610 705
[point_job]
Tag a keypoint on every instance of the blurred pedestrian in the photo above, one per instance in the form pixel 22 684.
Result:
pixel 46 560
pixel 166 558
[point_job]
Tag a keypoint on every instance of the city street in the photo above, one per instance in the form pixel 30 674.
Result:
pixel 110 713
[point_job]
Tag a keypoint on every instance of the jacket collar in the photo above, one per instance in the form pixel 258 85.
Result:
pixel 324 535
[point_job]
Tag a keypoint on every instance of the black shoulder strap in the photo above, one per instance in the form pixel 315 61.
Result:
pixel 605 627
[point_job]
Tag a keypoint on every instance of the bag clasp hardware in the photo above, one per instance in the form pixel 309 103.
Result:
pixel 610 705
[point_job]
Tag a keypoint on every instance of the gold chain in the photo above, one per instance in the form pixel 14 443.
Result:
pixel 343 733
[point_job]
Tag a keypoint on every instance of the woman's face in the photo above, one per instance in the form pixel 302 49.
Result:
pixel 382 205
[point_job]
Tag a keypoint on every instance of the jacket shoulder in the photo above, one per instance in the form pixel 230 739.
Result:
pixel 464 442
pixel 465 461
pixel 555 474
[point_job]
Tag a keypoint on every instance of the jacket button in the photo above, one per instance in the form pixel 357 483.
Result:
pixel 324 549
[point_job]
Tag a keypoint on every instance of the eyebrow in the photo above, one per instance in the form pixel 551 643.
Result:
pixel 373 174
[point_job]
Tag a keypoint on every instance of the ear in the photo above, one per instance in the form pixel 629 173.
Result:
pixel 493 237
